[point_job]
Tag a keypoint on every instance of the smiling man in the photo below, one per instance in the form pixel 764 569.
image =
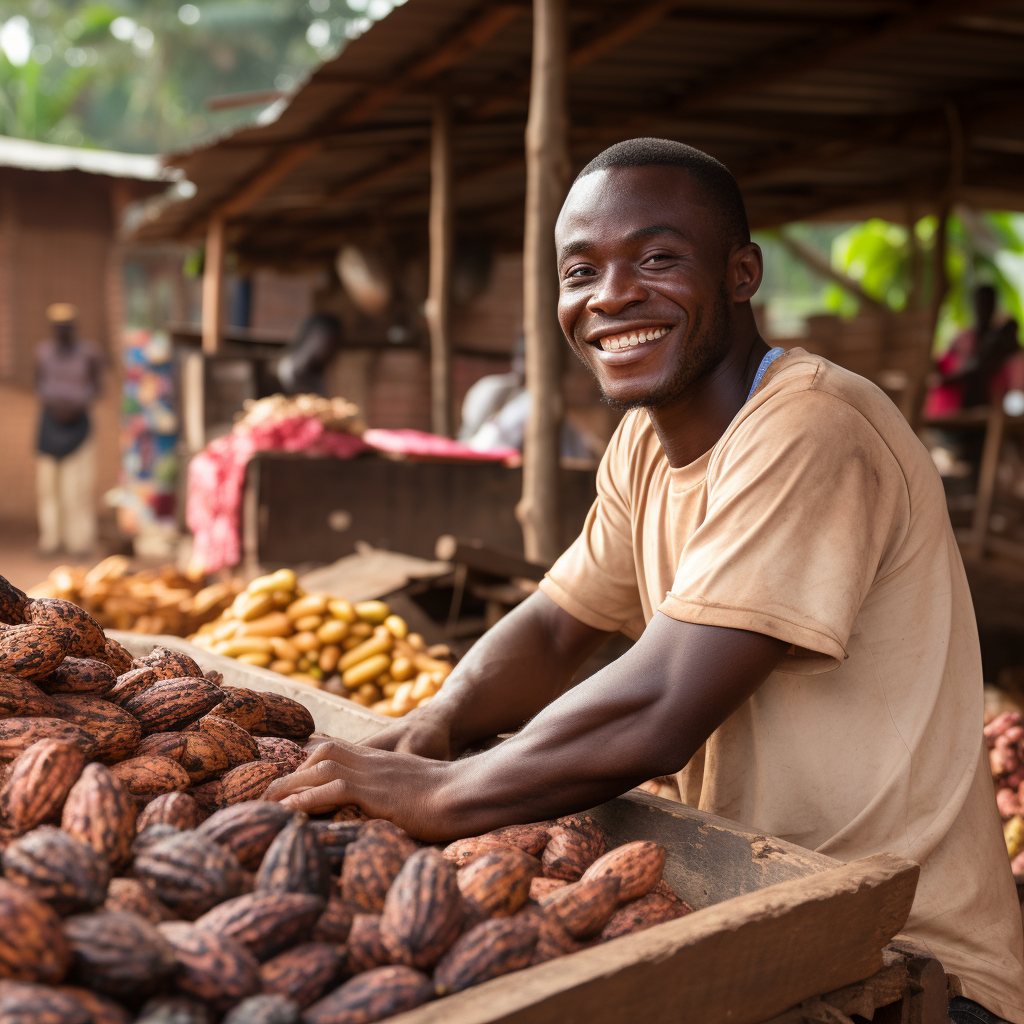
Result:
pixel 775 538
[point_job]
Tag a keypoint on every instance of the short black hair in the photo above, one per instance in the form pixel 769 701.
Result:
pixel 713 178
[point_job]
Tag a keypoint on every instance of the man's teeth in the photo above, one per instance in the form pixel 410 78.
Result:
pixel 615 342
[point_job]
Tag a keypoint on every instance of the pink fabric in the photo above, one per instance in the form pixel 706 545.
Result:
pixel 417 442
pixel 944 399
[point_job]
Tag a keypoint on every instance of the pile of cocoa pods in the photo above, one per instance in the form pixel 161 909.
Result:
pixel 144 879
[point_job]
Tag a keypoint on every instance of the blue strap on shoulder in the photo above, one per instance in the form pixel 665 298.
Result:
pixel 769 358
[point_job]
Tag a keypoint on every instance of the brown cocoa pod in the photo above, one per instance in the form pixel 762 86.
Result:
pixel 365 949
pixel 171 704
pixel 67 874
pixel 115 656
pixel 237 744
pixel 247 829
pixel 530 839
pixel 214 676
pixel 135 681
pixel 541 886
pixel 637 866
pixel 18 734
pixel 584 907
pixel 423 912
pixel 12 603
pixel 212 967
pixel 334 838
pixel 202 757
pixel 162 744
pixel 490 949
pixel 151 776
pixel 295 862
pixel 462 851
pixel 278 748
pixel 283 716
pixel 266 923
pixel 150 835
pixel 115 732
pixel 350 812
pixel 304 973
pixel 649 910
pixel 165 658
pixel 242 706
pixel 371 864
pixel 130 896
pixel 497 883
pixel 38 783
pixel 32 945
pixel 20 698
pixel 265 1009
pixel 553 940
pixel 118 954
pixel 571 851
pixel 247 782
pixel 176 808
pixel 374 995
pixel 103 1009
pixel 189 872
pixel 22 1002
pixel 207 795
pixel 80 675
pixel 335 923
pixel 100 812
pixel 87 638
pixel 175 1009
pixel 666 890
pixel 31 651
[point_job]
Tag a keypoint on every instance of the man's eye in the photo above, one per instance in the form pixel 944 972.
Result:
pixel 579 272
pixel 656 257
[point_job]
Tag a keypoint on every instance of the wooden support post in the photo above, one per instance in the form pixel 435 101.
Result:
pixel 440 287
pixel 547 179
pixel 213 286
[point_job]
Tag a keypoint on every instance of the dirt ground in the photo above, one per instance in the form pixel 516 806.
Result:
pixel 22 564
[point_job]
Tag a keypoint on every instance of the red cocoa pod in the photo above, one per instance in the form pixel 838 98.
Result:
pixel 202 756
pixel 130 896
pixel 80 675
pixel 247 782
pixel 22 1002
pixel 20 698
pixel 171 704
pixel 371 996
pixel 32 945
pixel 584 907
pixel 12 603
pixel 189 872
pixel 497 883
pixel 649 910
pixel 243 706
pixel 570 852
pixel 490 949
pixel 118 954
pixel 637 866
pixel 553 940
pixel 116 656
pixel 334 924
pixel 462 851
pixel 335 837
pixel 162 744
pixel 67 874
pixel 211 967
pixel 151 776
pixel 365 948
pixel 115 732
pixel 87 638
pixel 100 812
pixel 283 716
pixel 247 829
pixel 541 886
pixel 18 734
pixel 304 973
pixel 295 862
pixel 282 750
pixel 103 1009
pixel 236 743
pixel 176 808
pixel 371 864
pixel 530 839
pixel 38 783
pixel 265 922
pixel 32 652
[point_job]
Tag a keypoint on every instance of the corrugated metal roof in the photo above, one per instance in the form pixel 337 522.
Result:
pixel 43 156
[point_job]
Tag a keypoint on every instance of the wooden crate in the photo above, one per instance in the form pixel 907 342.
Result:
pixel 775 924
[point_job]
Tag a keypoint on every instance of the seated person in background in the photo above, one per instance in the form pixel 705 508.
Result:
pixel 301 370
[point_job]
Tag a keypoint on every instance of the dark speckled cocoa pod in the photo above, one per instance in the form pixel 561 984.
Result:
pixel 295 862
pixel 283 716
pixel 133 682
pixel 100 812
pixel 247 829
pixel 584 907
pixel 247 781
pixel 80 675
pixel 116 657
pixel 365 949
pixel 104 1010
pixel 32 651
pixel 530 839
pixel 265 1009
pixel 116 732
pixel 38 784
pixel 243 706
pixel 574 844
pixel 211 967
pixel 497 883
pixel 202 757
pixel 492 948
pixel 238 746
pixel 371 864
pixel 20 698
pixel 87 639
pixel 18 734
pixel 67 874
pixel 372 996
pixel 129 895
pixel 12 603
pixel 189 872
pixel 284 751
pixel 647 911
pixel 177 809
pixel 303 973
pixel 166 658
pixel 24 1003
pixel 335 837
pixel 335 923
pixel 265 923
pixel 171 704
pixel 32 945
pixel 162 744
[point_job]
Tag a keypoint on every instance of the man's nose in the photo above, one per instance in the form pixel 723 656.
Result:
pixel 617 289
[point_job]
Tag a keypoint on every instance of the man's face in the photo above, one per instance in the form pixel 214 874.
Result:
pixel 646 288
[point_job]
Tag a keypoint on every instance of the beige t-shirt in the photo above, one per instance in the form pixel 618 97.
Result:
pixel 818 518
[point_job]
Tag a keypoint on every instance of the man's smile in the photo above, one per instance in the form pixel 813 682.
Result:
pixel 631 338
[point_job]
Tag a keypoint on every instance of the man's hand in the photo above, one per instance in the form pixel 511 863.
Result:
pixel 419 732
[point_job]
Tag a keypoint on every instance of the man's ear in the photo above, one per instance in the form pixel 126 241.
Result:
pixel 744 272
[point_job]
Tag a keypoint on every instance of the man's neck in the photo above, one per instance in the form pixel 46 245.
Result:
pixel 695 421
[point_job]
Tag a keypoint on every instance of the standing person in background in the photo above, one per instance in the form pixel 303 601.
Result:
pixel 302 370
pixel 68 377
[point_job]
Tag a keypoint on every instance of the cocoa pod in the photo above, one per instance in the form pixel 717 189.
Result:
pixel 103 1009
pixel 118 954
pixel 162 744
pixel 294 861
pixel 208 796
pixel 242 706
pixel 176 808
pixel 12 603
pixel 571 851
pixel 350 812
pixel 32 652
pixel 133 682
pixel 334 838
pixel 584 907
pixel 374 995
pixel 238 746
pixel 22 1002
pixel 202 756
pixel 18 734
pixel 462 851
pixel 553 940
pixel 497 883
pixel 492 948
pixel 264 922
pixel 32 945
pixel 212 967
pixel 100 812
pixel 152 834
pixel 278 748
pixel 542 886
pixel 365 949
pixel 87 638
pixel 637 866
pixel 178 662
pixel 175 1009
pixel 171 704
pixel 20 698
pixel 666 890
pixel 247 782
pixel 189 872
pixel 115 656
pixel 80 675
pixel 67 874
pixel 247 829
pixel 304 973
pixel 38 783
pixel 115 732
pixel 283 716
pixel 371 864
pixel 151 776
pixel 530 839
pixel 649 910
pixel 335 923
pixel 265 1009
pixel 130 896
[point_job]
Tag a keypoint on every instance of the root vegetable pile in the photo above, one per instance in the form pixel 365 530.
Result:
pixel 1004 737
pixel 144 880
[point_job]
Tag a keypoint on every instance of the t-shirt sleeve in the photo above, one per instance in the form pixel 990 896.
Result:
pixel 595 579
pixel 805 506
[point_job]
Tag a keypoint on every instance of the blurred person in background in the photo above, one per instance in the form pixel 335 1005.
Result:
pixel 68 379
pixel 301 371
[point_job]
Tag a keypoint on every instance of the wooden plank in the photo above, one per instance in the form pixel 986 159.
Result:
pixel 260 184
pixel 439 289
pixel 987 471
pixel 213 286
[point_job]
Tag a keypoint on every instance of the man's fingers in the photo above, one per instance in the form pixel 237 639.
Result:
pixel 328 797
pixel 330 750
pixel 307 777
